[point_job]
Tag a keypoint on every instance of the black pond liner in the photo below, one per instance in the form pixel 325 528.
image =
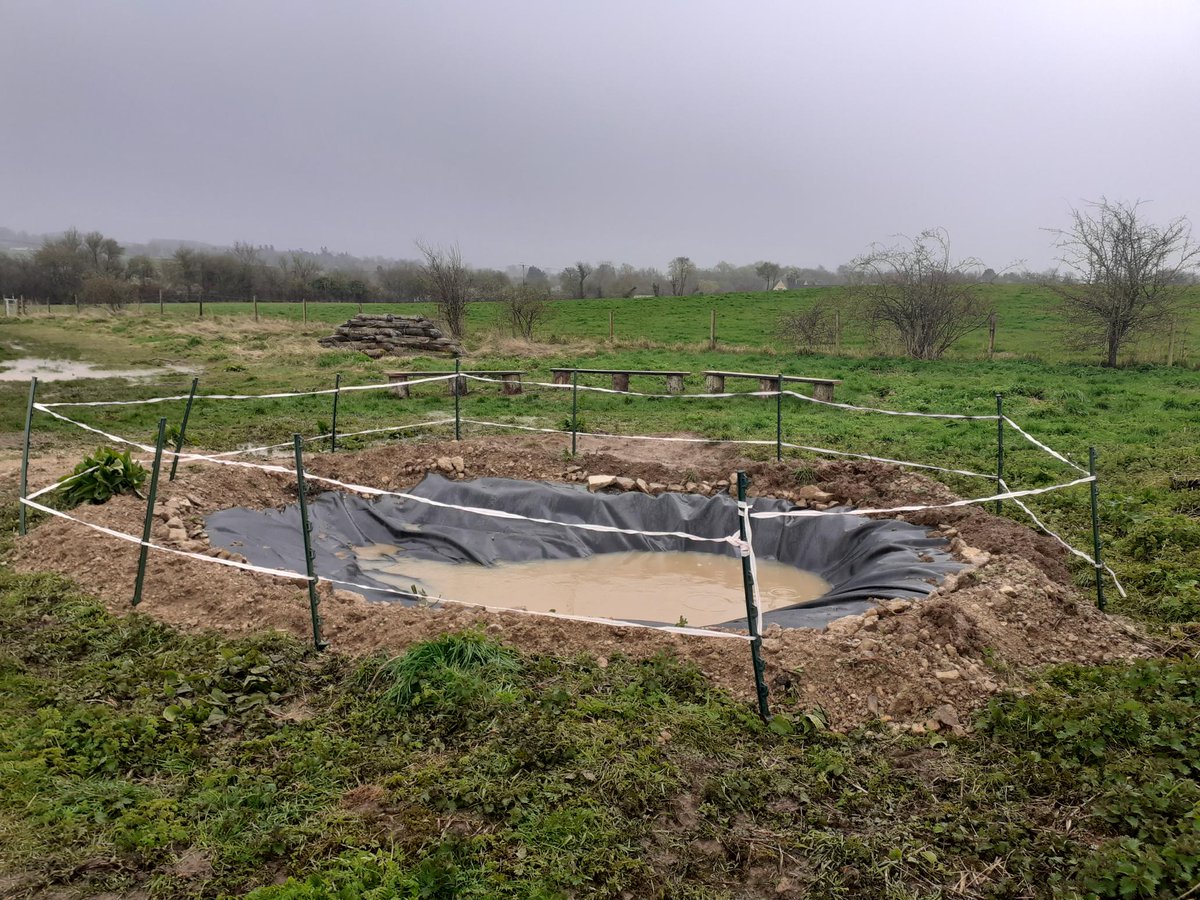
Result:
pixel 862 559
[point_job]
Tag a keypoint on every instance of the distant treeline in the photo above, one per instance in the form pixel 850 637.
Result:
pixel 95 268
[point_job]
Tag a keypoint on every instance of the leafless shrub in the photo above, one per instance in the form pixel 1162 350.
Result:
pixel 105 290
pixel 914 292
pixel 449 282
pixel 526 305
pixel 810 330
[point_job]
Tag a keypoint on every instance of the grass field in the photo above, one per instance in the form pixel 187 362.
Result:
pixel 1028 324
pixel 1143 419
pixel 518 776
pixel 136 759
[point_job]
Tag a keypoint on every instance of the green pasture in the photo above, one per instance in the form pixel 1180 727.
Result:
pixel 1144 419
pixel 138 761
pixel 1028 322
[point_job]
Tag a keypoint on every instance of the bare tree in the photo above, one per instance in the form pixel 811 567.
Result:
pixel 605 274
pixel 916 292
pixel 579 273
pixel 186 268
pixel 449 282
pixel 246 253
pixel 301 266
pixel 527 305
pixel 103 254
pixel 402 281
pixel 679 272
pixel 1131 275
pixel 768 272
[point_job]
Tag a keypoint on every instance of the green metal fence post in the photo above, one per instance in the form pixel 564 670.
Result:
pixel 457 399
pixel 999 448
pixel 574 407
pixel 25 455
pixel 779 419
pixel 148 524
pixel 337 392
pixel 1099 562
pixel 187 412
pixel 306 529
pixel 760 683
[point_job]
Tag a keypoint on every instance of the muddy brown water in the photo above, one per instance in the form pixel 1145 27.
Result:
pixel 665 586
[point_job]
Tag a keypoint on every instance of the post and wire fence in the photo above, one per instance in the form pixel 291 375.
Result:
pixel 740 540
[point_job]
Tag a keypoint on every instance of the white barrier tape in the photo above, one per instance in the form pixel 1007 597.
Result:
pixel 600 390
pixel 518 427
pixel 104 434
pixel 61 483
pixel 379 492
pixel 884 459
pixel 888 412
pixel 584 526
pixel 758 443
pixel 744 513
pixel 111 532
pixel 279 396
pixel 624 437
pixel 325 437
pixel 742 547
pixel 1029 437
pixel 293 576
pixel 598 620
pixel 726 394
pixel 1079 553
pixel 1008 495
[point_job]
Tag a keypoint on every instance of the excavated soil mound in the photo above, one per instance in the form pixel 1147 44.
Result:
pixel 925 663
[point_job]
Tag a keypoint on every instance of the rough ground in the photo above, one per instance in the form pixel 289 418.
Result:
pixel 922 665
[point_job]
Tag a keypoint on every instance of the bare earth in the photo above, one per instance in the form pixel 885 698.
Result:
pixel 923 665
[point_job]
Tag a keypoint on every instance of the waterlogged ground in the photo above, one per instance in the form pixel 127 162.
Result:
pixel 24 368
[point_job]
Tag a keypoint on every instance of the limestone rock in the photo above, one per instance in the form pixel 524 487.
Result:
pixel 946 715
pixel 813 494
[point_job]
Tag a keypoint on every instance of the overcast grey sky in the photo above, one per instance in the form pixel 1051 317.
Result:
pixel 542 132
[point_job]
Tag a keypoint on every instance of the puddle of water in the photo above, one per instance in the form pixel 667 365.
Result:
pixel 64 370
pixel 703 588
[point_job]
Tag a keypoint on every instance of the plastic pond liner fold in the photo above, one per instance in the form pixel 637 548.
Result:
pixel 861 559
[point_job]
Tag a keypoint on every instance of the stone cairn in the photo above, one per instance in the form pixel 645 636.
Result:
pixel 385 335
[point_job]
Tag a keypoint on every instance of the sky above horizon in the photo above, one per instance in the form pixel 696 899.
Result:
pixel 542 132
